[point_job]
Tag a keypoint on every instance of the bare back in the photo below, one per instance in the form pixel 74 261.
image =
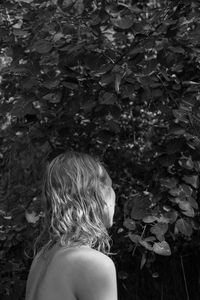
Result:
pixel 46 280
pixel 70 274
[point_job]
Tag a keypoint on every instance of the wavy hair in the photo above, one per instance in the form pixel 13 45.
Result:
pixel 74 199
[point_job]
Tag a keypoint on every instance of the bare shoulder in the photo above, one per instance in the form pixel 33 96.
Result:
pixel 92 274
pixel 85 257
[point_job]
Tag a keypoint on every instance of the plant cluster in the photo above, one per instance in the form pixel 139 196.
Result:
pixel 118 79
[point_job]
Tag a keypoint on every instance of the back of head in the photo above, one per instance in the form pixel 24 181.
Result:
pixel 73 198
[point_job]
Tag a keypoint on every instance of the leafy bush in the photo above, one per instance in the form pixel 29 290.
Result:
pixel 116 78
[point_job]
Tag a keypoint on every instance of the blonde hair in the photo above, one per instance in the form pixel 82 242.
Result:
pixel 74 200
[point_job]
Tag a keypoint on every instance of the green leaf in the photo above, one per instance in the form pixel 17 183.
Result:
pixel 187 189
pixel 171 216
pixel 129 224
pixel 32 217
pixel 107 98
pixel 53 98
pixel 186 208
pixel 135 238
pixel 162 248
pixel 123 22
pixel 183 227
pixel 26 1
pixel 192 180
pixel 149 219
pixel 186 163
pixel 169 183
pixel 193 202
pixel 177 50
pixel 159 230
pixel 136 50
pixel 106 79
pixel 143 260
pixel 146 245
pixel 176 192
pixel 118 78
pixel 51 84
pixel 42 46
pixel 70 85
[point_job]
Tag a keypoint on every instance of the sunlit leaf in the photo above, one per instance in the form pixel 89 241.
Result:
pixel 32 217
pixel 162 248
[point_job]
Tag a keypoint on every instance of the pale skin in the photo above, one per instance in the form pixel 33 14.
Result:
pixel 76 273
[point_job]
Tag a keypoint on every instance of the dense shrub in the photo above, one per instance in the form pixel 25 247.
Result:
pixel 119 79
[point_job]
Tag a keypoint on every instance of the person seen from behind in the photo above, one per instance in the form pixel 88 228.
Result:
pixel 71 254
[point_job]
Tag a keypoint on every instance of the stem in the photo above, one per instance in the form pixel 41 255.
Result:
pixel 184 277
pixel 143 232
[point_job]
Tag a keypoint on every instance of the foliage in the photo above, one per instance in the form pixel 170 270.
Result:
pixel 115 78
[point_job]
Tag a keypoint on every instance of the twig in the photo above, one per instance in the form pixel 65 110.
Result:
pixel 141 238
pixel 184 277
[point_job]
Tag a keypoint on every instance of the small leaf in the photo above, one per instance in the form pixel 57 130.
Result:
pixel 118 79
pixel 183 227
pixel 146 245
pixel 169 183
pixel 32 217
pixel 187 189
pixel 186 208
pixel 123 22
pixel 108 98
pixel 42 46
pixel 193 202
pixel 26 1
pixel 129 224
pixel 186 163
pixel 106 79
pixel 150 239
pixel 53 98
pixel 70 85
pixel 192 180
pixel 51 84
pixel 159 230
pixel 177 50
pixel 122 275
pixel 140 207
pixel 177 131
pixel 171 216
pixel 175 192
pixel 135 238
pixel 143 260
pixel 162 219
pixel 149 219
pixel 136 50
pixel 162 248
